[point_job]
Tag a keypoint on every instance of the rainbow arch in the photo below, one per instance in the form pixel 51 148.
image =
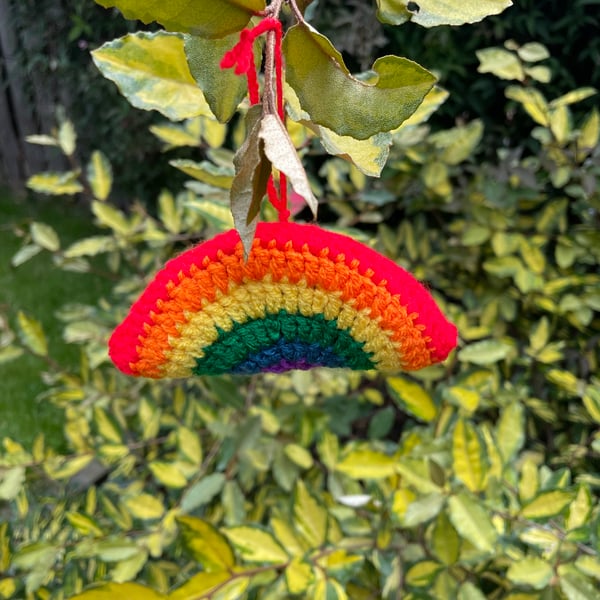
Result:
pixel 305 297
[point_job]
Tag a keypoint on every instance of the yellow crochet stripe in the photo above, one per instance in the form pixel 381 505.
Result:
pixel 253 300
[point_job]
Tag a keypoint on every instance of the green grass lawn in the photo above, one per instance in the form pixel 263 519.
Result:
pixel 38 289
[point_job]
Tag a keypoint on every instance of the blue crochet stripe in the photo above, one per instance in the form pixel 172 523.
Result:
pixel 285 355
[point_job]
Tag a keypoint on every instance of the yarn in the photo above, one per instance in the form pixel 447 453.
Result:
pixel 305 297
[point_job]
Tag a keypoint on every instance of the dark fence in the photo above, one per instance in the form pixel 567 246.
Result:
pixel 29 96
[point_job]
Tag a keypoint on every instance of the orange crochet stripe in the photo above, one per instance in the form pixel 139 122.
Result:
pixel 206 291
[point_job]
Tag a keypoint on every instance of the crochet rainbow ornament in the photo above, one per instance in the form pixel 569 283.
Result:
pixel 304 298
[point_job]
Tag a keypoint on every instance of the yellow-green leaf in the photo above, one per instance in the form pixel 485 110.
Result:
pixel 532 571
pixel 99 175
pixel 32 334
pixel 467 455
pixel 511 430
pixel 200 586
pixel 206 544
pixel 151 71
pixel 532 101
pixel 321 80
pixel 60 468
pixel 189 444
pixel 410 396
pixel 256 545
pixel 168 474
pixel 485 352
pixel 430 13
pixel 55 184
pixel 120 591
pixel 298 576
pixel 90 246
pixel 423 573
pixel 547 504
pixel 591 401
pixel 205 171
pixel 145 506
pixel 84 524
pixel 590 132
pixel 500 62
pixel 110 216
pixel 209 18
pixel 299 455
pixel 45 236
pixel 310 518
pixel 472 521
pixel 67 137
pixel 11 482
pixel 367 464
pixel 576 586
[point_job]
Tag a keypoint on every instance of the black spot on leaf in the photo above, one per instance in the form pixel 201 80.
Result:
pixel 413 7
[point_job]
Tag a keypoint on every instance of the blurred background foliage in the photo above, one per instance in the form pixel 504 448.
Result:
pixel 474 479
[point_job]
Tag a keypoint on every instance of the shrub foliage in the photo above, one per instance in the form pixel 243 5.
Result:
pixel 470 480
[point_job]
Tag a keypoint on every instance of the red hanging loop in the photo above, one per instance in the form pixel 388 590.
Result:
pixel 241 57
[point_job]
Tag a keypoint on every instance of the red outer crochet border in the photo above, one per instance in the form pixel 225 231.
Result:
pixel 124 340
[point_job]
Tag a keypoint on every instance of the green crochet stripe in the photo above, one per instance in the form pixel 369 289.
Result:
pixel 247 339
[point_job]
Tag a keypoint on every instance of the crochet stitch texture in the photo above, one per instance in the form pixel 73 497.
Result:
pixel 304 298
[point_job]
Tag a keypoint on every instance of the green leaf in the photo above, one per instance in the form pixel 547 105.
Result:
pixel 55 184
pixel 367 464
pixel 445 542
pixel 320 79
pixel 99 175
pixel 249 186
pixel 472 521
pixel 8 353
pixel 209 18
pixel 467 455
pixel 206 544
pixel 500 62
pixel 203 492
pixel 369 156
pixel 200 586
pixel 430 13
pixel 591 401
pixel 119 591
pixel 485 352
pixel 256 545
pixel 222 88
pixel 532 571
pixel 84 524
pixel 310 518
pixel 32 334
pixel 547 504
pixel 410 396
pixel 151 71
